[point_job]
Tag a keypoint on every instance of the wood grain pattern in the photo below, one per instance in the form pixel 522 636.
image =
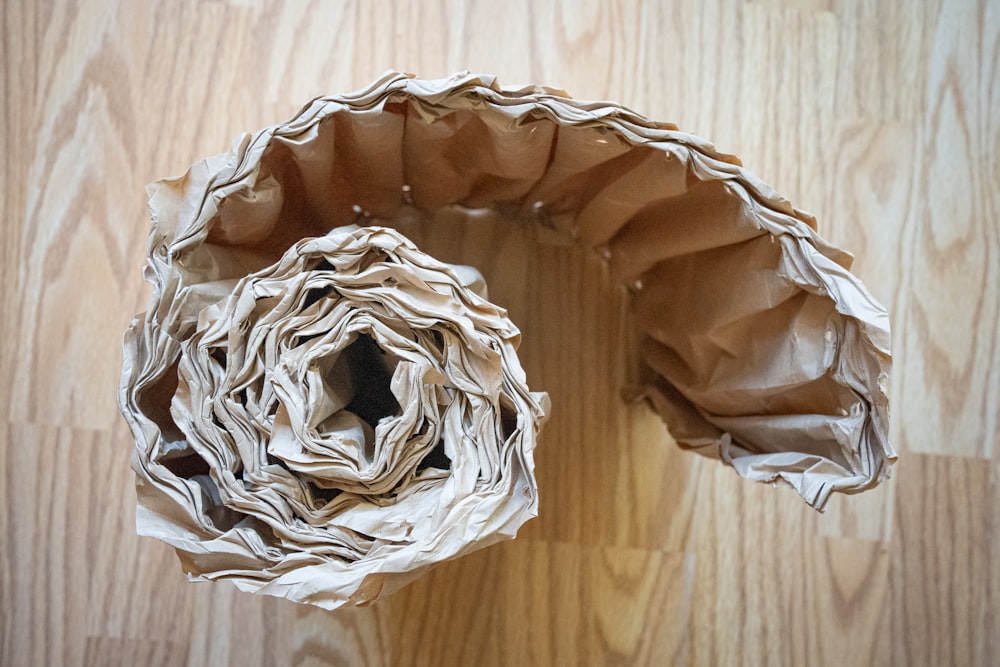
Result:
pixel 879 116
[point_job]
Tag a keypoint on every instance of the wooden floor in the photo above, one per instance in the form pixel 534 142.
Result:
pixel 882 118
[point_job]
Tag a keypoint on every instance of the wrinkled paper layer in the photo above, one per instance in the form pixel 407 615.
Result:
pixel 322 411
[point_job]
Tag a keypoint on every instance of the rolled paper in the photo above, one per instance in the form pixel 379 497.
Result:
pixel 322 411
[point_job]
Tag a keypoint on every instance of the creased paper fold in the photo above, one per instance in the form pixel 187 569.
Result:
pixel 322 411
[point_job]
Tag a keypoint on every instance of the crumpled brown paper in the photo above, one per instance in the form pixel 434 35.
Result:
pixel 334 423
pixel 322 411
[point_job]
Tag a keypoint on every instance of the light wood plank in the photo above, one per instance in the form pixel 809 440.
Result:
pixel 103 651
pixel 548 603
pixel 942 557
pixel 951 326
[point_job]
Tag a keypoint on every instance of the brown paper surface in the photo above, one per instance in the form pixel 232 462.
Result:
pixel 322 411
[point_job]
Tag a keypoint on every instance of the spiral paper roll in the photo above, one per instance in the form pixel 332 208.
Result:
pixel 321 411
